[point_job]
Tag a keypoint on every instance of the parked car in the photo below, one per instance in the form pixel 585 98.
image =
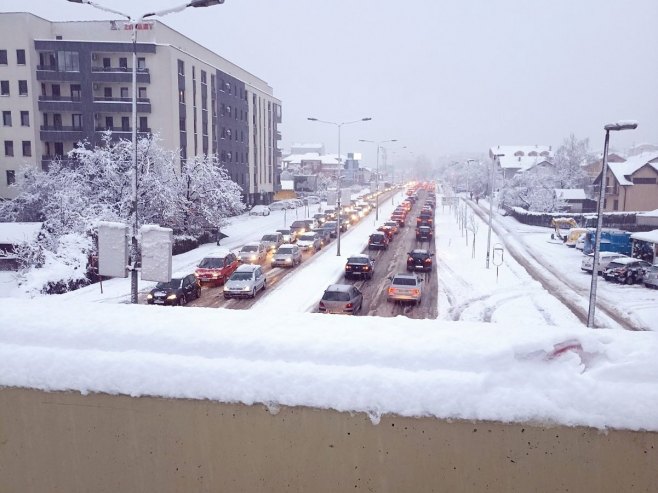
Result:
pixel 178 291
pixel 419 260
pixel 245 282
pixel 424 233
pixel 359 265
pixel 309 241
pixel 216 267
pixel 651 277
pixel 259 210
pixel 604 259
pixel 272 241
pixel 280 205
pixel 341 298
pixel 287 255
pixel 626 270
pixel 378 240
pixel 580 242
pixel 312 199
pixel 287 236
pixel 405 287
pixel 252 253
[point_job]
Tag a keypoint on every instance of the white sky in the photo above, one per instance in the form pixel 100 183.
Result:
pixel 441 77
pixel 277 353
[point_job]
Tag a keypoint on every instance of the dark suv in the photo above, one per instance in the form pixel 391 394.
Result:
pixel 423 233
pixel 378 240
pixel 178 291
pixel 359 266
pixel 626 270
pixel 419 260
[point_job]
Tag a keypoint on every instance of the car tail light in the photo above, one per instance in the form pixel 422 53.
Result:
pixel 410 259
pixel 348 267
pixel 415 292
pixel 349 306
pixel 322 307
pixel 391 290
pixel 366 267
pixel 428 260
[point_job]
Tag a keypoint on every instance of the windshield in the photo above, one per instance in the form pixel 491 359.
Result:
pixel 249 248
pixel 269 238
pixel 173 284
pixel 336 296
pixel 241 276
pixel 212 263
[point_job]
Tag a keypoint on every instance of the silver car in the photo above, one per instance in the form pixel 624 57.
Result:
pixel 245 282
pixel 604 259
pixel 405 287
pixel 287 255
pixel 309 241
pixel 252 253
pixel 272 241
pixel 341 298
pixel 651 277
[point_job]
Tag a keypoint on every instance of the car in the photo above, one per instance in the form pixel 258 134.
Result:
pixel 651 277
pixel 387 230
pixel 178 291
pixel 345 222
pixel 320 218
pixel 419 260
pixel 312 199
pixel 580 242
pixel 287 236
pixel 626 270
pixel 378 240
pixel 424 233
pixel 393 225
pixel 425 218
pixel 272 241
pixel 405 287
pixel 309 241
pixel 341 298
pixel 298 228
pixel 604 259
pixel 259 210
pixel 332 227
pixel 311 224
pixel 216 267
pixel 280 205
pixel 324 234
pixel 359 265
pixel 287 255
pixel 252 253
pixel 245 282
pixel 399 218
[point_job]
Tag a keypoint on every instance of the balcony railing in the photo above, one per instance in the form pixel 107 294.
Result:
pixel 54 68
pixel 120 100
pixel 128 70
pixel 60 98
pixel 141 130
pixel 61 128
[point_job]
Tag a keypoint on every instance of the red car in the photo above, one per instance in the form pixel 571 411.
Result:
pixel 399 218
pixel 217 267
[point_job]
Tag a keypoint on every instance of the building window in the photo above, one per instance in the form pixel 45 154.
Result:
pixel 615 205
pixel 141 63
pixel 3 57
pixel 22 87
pixel 107 63
pixel 59 149
pixel 123 64
pixel 20 57
pixel 27 148
pixel 76 121
pixel 107 92
pixel 76 92
pixel 4 88
pixel 644 181
pixel 6 118
pixel 56 91
pixel 125 123
pixel 25 118
pixel 124 93
pixel 143 124
pixel 11 177
pixel 181 96
pixel 109 123
pixel 9 148
pixel 142 92
pixel 68 61
pixel 181 67
pixel 57 120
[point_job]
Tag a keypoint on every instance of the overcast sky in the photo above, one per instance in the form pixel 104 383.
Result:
pixel 440 76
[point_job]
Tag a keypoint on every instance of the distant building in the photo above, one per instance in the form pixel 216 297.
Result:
pixel 520 158
pixel 66 82
pixel 632 185
pixel 305 148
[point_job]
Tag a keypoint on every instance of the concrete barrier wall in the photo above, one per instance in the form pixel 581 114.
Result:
pixel 66 442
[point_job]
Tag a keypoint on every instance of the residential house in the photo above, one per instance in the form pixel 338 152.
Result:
pixel 12 235
pixel 517 159
pixel 574 199
pixel 632 185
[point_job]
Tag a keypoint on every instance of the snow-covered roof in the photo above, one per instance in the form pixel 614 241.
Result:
pixel 653 213
pixel 13 233
pixel 650 236
pixel 570 193
pixel 623 171
pixel 521 157
pixel 312 156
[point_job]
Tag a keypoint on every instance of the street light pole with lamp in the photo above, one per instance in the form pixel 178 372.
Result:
pixel 338 177
pixel 379 144
pixel 491 199
pixel 134 252
pixel 611 127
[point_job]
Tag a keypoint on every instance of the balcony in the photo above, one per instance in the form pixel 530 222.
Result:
pixel 119 74
pixel 124 132
pixel 52 73
pixel 48 159
pixel 59 103
pixel 120 105
pixel 60 133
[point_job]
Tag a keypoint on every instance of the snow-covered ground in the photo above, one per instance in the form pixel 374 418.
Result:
pixel 532 360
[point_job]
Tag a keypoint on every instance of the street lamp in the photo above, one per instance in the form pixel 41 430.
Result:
pixel 614 127
pixel 491 198
pixel 379 144
pixel 134 251
pixel 339 125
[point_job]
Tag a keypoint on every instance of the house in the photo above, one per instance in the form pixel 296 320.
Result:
pixel 632 185
pixel 12 235
pixel 520 158
pixel 574 199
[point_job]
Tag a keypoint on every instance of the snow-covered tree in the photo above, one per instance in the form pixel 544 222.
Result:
pixel 569 160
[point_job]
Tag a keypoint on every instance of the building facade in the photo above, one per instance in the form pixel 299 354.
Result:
pixel 66 82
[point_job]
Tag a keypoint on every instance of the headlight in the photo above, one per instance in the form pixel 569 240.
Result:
pixel 246 288
pixel 288 260
pixel 171 297
pixel 149 296
pixel 216 275
pixel 253 257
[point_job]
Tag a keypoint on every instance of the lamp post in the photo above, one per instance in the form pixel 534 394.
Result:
pixel 134 250
pixel 491 198
pixel 338 177
pixel 379 144
pixel 468 162
pixel 614 127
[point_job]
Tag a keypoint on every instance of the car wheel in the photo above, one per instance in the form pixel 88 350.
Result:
pixel 227 297
pixel 253 293
pixel 198 293
pixel 264 284
pixel 182 301
pixel 629 280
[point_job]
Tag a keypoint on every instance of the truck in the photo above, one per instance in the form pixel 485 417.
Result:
pixel 612 240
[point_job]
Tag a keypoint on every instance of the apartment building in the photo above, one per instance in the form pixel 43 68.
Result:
pixel 66 82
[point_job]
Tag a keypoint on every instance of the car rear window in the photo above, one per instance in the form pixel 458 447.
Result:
pixel 286 250
pixel 357 260
pixel 335 296
pixel 250 248
pixel 404 281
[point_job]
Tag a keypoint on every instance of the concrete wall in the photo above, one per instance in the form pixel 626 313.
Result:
pixel 65 442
